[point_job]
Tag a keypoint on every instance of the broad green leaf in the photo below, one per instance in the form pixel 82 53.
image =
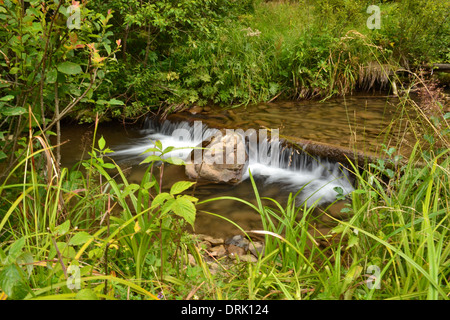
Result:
pixel 68 252
pixel 161 198
pixel 167 206
pixel 149 184
pixel 101 102
pixel 184 208
pixel 190 198
pixel 352 241
pixel 14 70
pixel 180 186
pixel 131 188
pixel 52 76
pixel 12 282
pixel 175 161
pixel 151 158
pixel 86 294
pixel 80 238
pixel 61 247
pixel 101 143
pixel 338 229
pixel 158 144
pixel 116 102
pixel 15 111
pixel 339 190
pixel 69 68
pixel 2 155
pixel 63 228
pixel 168 149
pixel 108 165
pixel 7 98
pixel 26 258
pixel 151 150
pixel 16 248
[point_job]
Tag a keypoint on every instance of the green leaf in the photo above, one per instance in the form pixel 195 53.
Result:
pixel 69 68
pixel 101 143
pixel 63 228
pixel 338 229
pixel 161 198
pixel 80 238
pixel 86 294
pixel 101 102
pixel 180 186
pixel 7 98
pixel 149 184
pixel 16 248
pixel 168 149
pixel 116 102
pixel 175 160
pixel 151 150
pixel 190 198
pixel 151 158
pixel 352 241
pixel 26 258
pixel 12 282
pixel 52 76
pixel 108 165
pixel 131 188
pixel 184 208
pixel 15 111
pixel 390 173
pixel 2 155
pixel 14 70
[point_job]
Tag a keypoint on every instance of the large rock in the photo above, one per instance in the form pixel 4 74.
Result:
pixel 223 159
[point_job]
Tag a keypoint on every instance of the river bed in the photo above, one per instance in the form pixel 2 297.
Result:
pixel 361 122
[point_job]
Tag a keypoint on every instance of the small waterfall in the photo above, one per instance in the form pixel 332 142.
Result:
pixel 272 160
pixel 183 136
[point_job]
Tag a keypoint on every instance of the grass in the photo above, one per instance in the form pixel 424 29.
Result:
pixel 120 240
pixel 395 245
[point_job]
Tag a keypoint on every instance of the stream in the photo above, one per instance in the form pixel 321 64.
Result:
pixel 361 122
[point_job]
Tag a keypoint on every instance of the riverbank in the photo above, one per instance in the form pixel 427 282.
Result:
pixel 97 231
pixel 277 50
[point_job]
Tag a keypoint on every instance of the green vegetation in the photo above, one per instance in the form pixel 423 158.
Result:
pixel 88 233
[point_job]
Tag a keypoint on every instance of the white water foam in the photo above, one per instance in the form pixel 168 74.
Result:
pixel 319 178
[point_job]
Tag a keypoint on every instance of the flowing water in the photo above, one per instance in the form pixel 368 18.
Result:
pixel 357 122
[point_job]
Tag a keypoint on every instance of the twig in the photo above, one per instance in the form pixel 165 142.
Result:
pixel 60 257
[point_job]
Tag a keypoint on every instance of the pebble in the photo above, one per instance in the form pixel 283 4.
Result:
pixel 256 248
pixel 218 251
pixel 238 241
pixel 196 109
pixel 235 250
pixel 191 260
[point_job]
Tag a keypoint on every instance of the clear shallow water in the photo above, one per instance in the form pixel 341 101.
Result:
pixel 361 122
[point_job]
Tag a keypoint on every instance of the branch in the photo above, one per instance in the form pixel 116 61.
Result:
pixel 74 102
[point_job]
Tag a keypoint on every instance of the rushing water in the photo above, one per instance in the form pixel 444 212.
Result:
pixel 356 122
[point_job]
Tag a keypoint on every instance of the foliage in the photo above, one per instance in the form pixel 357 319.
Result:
pixel 287 49
pixel 48 65
pixel 88 233
pixel 95 224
